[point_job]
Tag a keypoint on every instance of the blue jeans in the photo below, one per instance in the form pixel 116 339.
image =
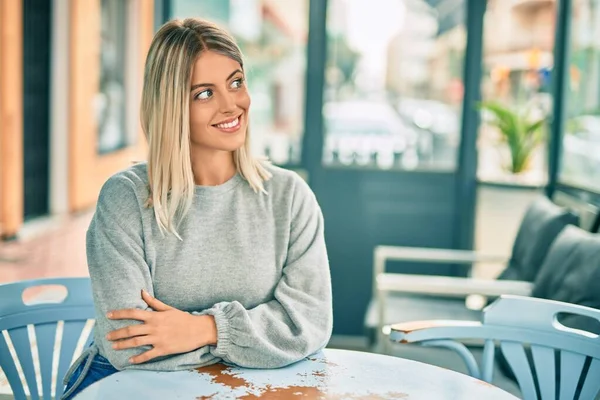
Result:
pixel 99 368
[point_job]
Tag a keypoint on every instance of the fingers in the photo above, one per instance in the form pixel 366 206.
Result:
pixel 146 356
pixel 128 332
pixel 130 313
pixel 156 304
pixel 132 342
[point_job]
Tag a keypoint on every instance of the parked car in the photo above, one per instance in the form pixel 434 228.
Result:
pixel 438 125
pixel 367 133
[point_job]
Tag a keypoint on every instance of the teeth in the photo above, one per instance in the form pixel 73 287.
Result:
pixel 228 125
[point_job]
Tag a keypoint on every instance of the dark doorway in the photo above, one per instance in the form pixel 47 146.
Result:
pixel 37 19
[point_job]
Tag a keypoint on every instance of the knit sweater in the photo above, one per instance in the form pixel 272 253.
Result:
pixel 256 262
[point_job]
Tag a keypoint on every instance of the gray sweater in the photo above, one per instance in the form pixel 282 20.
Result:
pixel 256 262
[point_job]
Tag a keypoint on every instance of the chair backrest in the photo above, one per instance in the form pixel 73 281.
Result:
pixel 542 223
pixel 571 273
pixel 561 359
pixel 549 359
pixel 43 316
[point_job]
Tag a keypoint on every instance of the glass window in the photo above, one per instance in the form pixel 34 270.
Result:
pixel 394 89
pixel 580 164
pixel 111 106
pixel 272 35
pixel 516 84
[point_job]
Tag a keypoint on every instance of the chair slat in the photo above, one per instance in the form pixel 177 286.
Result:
pixel 46 336
pixel 591 386
pixel 571 366
pixel 71 334
pixel 487 370
pixel 545 368
pixel 22 345
pixel 10 369
pixel 517 359
pixel 90 337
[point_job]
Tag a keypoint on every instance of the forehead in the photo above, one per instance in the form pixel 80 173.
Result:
pixel 211 67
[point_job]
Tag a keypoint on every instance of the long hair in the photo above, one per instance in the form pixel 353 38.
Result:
pixel 165 117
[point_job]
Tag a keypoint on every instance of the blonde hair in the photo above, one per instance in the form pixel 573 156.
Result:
pixel 165 117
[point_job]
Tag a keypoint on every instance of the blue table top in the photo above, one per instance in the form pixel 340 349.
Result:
pixel 331 374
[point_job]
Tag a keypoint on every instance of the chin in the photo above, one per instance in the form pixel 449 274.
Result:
pixel 234 143
pixel 220 141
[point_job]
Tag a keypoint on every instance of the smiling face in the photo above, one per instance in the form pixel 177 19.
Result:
pixel 219 103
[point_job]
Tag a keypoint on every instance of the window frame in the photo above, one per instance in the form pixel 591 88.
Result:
pixel 562 52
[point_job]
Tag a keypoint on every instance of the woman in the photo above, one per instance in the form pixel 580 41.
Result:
pixel 203 254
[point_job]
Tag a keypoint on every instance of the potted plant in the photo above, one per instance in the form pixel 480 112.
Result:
pixel 520 132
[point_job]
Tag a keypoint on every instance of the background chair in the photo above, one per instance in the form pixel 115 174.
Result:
pixel 546 356
pixel 404 297
pixel 571 274
pixel 44 317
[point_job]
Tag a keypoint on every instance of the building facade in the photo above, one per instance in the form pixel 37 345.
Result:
pixel 70 81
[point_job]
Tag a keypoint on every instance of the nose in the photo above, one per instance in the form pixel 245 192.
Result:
pixel 227 103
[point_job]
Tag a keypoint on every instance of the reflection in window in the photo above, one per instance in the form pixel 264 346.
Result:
pixel 272 35
pixel 580 164
pixel 110 102
pixel 517 62
pixel 394 88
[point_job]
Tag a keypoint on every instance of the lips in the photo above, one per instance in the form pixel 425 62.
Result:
pixel 229 123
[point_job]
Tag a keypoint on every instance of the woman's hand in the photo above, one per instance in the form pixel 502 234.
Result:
pixel 167 329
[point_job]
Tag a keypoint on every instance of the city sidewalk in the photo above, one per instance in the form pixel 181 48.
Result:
pixel 47 248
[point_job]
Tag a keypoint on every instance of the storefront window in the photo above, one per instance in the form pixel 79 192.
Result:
pixel 111 108
pixel 394 89
pixel 580 163
pixel 516 86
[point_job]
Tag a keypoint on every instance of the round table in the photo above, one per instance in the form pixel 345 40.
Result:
pixel 330 374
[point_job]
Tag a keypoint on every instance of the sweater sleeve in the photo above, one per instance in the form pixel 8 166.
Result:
pixel 118 272
pixel 298 321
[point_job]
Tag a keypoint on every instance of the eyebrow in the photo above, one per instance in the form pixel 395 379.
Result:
pixel 197 85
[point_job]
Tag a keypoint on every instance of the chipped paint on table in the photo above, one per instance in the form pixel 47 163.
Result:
pixel 329 375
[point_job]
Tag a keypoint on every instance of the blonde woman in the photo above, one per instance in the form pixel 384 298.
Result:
pixel 203 254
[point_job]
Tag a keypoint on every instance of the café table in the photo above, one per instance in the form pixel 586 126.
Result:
pixel 329 374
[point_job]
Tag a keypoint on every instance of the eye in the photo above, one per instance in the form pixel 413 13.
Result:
pixel 236 84
pixel 204 95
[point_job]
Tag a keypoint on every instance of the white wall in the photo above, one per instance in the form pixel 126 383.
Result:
pixel 498 216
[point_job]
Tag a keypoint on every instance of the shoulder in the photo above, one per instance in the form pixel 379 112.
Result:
pixel 288 189
pixel 126 185
pixel 287 183
pixel 121 200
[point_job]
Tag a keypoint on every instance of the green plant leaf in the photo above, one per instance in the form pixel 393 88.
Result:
pixel 521 136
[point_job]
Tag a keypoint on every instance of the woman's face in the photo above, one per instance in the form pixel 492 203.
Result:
pixel 219 103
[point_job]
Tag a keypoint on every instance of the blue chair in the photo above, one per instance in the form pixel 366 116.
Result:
pixel 15 317
pixel 544 354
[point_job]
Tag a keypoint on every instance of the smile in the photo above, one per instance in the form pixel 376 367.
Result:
pixel 229 126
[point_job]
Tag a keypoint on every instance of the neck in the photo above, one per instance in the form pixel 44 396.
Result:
pixel 212 168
